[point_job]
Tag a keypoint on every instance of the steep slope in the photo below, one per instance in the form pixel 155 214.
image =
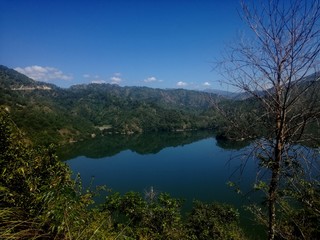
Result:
pixel 34 110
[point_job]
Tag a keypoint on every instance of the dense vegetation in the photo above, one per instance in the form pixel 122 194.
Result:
pixel 39 200
pixel 48 114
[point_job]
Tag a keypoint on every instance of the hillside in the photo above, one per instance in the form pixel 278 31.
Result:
pixel 48 113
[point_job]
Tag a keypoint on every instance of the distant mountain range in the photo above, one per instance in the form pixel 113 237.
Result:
pixel 243 95
pixel 228 95
pixel 48 113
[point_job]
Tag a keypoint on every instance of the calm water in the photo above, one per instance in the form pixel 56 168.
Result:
pixel 187 165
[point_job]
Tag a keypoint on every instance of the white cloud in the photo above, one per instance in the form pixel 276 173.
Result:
pixel 207 84
pixel 116 78
pixel 98 81
pixel 182 84
pixel 45 74
pixel 150 79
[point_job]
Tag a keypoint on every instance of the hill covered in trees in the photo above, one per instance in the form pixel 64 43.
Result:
pixel 49 114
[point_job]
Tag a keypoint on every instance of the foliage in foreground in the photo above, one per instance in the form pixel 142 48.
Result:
pixel 298 210
pixel 39 200
pixel 213 221
pixel 160 218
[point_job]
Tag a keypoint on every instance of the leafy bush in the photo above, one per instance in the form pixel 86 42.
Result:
pixel 38 199
pixel 140 218
pixel 213 221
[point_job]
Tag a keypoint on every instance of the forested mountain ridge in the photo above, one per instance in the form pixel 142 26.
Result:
pixel 48 113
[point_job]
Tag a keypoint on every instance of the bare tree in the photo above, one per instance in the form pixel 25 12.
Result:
pixel 277 64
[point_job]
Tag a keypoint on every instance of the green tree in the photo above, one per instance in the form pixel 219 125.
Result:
pixel 137 217
pixel 38 199
pixel 213 221
pixel 27 176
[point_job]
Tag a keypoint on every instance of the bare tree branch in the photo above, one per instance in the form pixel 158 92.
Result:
pixel 273 66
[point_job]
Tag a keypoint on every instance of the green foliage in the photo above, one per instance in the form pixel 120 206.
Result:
pixel 138 218
pixel 240 120
pixel 24 175
pixel 213 221
pixel 300 211
pixel 25 171
pixel 37 197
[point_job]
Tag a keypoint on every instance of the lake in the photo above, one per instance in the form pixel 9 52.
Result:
pixel 188 165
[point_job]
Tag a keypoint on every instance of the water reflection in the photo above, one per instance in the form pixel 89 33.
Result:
pixel 232 145
pixel 187 165
pixel 149 143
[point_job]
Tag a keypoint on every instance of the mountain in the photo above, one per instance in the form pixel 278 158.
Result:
pixel 310 79
pixel 11 79
pixel 168 98
pixel 48 113
pixel 222 93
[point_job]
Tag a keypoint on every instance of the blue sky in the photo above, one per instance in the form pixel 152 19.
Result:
pixel 161 44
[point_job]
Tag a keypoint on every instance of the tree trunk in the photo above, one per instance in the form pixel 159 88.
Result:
pixel 272 199
pixel 275 169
